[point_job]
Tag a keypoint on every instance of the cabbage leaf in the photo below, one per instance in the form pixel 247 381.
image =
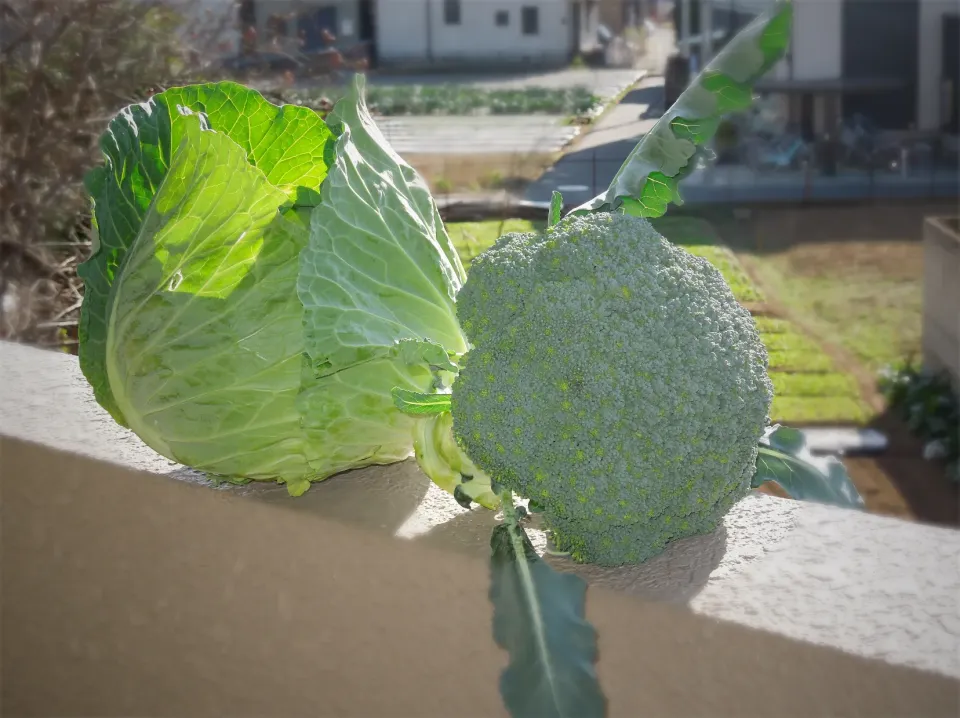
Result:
pixel 288 144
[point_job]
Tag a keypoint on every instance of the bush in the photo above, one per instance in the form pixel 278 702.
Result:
pixel 66 67
pixel 928 403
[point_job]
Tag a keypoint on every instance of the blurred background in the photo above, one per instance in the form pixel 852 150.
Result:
pixel 831 206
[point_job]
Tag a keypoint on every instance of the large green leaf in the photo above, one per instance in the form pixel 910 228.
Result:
pixel 648 180
pixel 288 144
pixel 784 459
pixel 379 266
pixel 539 618
pixel 205 349
pixel 204 346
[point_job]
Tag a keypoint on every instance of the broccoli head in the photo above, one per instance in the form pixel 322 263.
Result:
pixel 612 379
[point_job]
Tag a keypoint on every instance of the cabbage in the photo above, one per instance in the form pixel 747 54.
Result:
pixel 225 321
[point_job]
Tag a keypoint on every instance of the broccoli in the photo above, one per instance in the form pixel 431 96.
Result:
pixel 614 380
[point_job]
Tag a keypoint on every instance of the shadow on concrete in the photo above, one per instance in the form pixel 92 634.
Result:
pixel 581 174
pixel 379 499
pixel 653 99
pixel 652 95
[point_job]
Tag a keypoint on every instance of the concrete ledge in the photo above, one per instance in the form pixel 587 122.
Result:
pixel 126 592
pixel 941 295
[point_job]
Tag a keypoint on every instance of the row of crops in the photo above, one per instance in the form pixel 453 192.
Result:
pixel 453 99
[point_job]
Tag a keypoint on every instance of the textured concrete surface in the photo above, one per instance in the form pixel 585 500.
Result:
pixel 868 585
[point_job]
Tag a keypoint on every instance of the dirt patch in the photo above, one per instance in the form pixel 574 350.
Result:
pixel 892 260
pixel 471 173
pixel 901 483
pixel 863 259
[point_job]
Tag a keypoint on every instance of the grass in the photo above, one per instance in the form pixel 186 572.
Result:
pixel 808 386
pixel 851 274
pixel 875 318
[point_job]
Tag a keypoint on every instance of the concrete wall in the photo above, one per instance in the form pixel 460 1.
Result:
pixel 131 586
pixel 402 33
pixel 817 47
pixel 929 99
pixel 941 295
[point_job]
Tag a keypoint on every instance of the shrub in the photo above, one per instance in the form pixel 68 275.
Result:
pixel 65 69
pixel 927 401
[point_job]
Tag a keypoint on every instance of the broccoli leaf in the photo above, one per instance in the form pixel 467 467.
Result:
pixel 556 208
pixel 539 619
pixel 419 404
pixel 288 144
pixel 784 459
pixel 648 180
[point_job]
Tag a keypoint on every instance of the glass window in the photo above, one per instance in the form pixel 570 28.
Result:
pixel 530 20
pixel 451 12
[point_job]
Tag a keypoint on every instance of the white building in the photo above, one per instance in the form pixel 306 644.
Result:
pixel 489 31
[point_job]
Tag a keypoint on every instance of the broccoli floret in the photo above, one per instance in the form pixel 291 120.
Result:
pixel 614 379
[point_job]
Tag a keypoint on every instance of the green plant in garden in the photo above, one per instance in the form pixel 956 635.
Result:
pixel 927 401
pixel 452 99
pixel 273 296
pixel 193 333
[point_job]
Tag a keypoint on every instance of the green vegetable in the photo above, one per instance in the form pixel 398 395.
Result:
pixel 275 297
pixel 286 144
pixel 614 378
pixel 215 324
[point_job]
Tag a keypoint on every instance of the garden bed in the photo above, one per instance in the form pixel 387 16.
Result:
pixel 456 99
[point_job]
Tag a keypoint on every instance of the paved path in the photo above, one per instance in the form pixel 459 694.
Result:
pixel 590 165
pixel 508 134
pixel 593 159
